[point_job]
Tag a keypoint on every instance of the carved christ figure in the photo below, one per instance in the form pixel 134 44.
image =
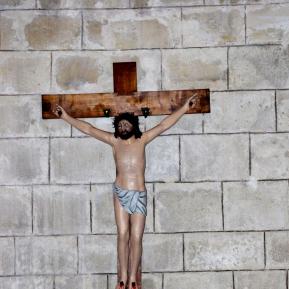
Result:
pixel 129 192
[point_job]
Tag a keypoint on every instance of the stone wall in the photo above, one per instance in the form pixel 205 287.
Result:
pixel 218 206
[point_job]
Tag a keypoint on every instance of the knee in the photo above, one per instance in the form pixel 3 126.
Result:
pixel 136 238
pixel 123 235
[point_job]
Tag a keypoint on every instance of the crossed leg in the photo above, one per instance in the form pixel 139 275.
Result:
pixel 129 228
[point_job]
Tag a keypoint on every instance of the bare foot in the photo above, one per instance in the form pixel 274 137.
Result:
pixel 120 285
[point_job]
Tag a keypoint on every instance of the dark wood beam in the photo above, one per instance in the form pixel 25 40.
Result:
pixel 86 105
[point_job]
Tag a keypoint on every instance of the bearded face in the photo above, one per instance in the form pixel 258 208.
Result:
pixel 125 129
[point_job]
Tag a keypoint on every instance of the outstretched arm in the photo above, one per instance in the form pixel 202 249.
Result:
pixel 85 127
pixel 169 121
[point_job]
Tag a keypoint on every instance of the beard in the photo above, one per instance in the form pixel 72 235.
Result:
pixel 126 134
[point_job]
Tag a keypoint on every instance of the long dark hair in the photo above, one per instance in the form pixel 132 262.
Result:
pixel 133 119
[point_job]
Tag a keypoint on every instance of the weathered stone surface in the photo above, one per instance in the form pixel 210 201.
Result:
pixel 24 72
pixel 238 111
pixel 21 116
pixel 188 207
pixel 268 24
pixel 15 210
pixel 70 4
pixel 256 205
pixel 282 101
pixel 224 251
pixel 17 4
pixel 162 159
pixel 97 254
pixel 23 161
pixel 81 160
pixel 7 255
pixel 61 209
pixel 194 68
pixel 165 249
pixel 131 29
pixel 200 280
pixel 208 26
pixel 151 3
pixel 102 209
pixel 214 157
pixel 234 2
pixel 46 30
pixel 81 282
pixel 93 71
pixel 270 156
pixel 277 250
pixel 260 279
pixel 27 282
pixel 46 255
pixel 258 67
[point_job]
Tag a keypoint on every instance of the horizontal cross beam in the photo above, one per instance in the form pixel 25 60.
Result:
pixel 86 105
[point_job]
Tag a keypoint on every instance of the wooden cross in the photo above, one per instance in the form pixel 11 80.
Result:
pixel 125 98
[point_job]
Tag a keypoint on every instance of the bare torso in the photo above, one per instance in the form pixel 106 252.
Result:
pixel 130 163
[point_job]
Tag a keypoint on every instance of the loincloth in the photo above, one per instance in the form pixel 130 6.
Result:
pixel 131 200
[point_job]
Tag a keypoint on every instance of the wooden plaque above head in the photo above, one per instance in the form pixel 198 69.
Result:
pixel 124 77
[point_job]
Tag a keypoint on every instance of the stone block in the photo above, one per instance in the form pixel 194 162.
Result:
pixel 213 26
pixel 17 4
pixel 238 2
pixel 194 68
pixel 162 155
pixel 97 254
pixel 23 161
pixel 92 71
pixel 256 205
pixel 267 24
pixel 259 67
pixel 277 250
pixel 61 209
pixel 270 156
pixel 132 28
pixel 7 255
pixel 75 4
pixel 239 111
pixel 27 282
pixel 81 282
pixel 15 210
pixel 46 255
pixel 260 279
pixel 214 157
pixel 282 101
pixel 200 280
pixel 188 207
pixel 40 30
pixel 24 72
pixel 163 3
pixel 162 252
pixel 81 160
pixel 224 251
pixel 21 116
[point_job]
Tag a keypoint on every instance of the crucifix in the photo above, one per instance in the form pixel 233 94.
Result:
pixel 125 98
